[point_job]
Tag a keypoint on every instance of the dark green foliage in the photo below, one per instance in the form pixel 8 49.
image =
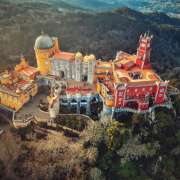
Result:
pixel 128 171
pixel 177 105
pixel 96 174
pixel 23 132
pixel 153 152
pixel 77 123
pixel 2 168
pixel 116 135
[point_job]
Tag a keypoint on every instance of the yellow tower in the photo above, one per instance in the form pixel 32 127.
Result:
pixel 78 56
pixel 56 43
pixel 44 48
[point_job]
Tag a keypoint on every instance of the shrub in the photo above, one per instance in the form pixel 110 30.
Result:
pixel 2 168
pixel 96 174
pixel 92 155
pixel 94 134
pixel 128 171
pixel 116 135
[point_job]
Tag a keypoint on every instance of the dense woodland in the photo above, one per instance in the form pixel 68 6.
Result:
pixel 132 147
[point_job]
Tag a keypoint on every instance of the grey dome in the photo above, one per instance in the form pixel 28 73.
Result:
pixel 43 42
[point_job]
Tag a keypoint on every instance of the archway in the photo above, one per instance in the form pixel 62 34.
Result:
pixel 64 106
pixel 83 105
pixel 62 74
pixel 73 106
pixel 84 78
pixel 96 106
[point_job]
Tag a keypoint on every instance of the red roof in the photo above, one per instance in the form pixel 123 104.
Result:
pixel 81 90
pixel 65 55
pixel 29 71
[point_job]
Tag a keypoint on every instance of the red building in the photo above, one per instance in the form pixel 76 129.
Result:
pixel 129 82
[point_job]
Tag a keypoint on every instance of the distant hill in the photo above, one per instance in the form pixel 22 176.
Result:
pixel 99 33
pixel 170 7
pixel 142 5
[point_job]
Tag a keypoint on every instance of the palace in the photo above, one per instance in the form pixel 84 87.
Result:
pixel 127 83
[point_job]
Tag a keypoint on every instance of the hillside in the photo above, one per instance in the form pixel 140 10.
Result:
pixel 170 7
pixel 100 33
pixel 133 147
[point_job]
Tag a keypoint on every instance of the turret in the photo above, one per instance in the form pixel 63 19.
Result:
pixel 79 56
pixel 144 51
pixel 91 65
pixel 23 64
pixel 78 66
pixel 56 44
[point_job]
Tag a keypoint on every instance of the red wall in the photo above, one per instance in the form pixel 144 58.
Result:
pixel 119 97
pixel 139 93
pixel 161 91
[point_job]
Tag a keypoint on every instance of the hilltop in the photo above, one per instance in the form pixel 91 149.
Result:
pixel 131 148
pixel 99 33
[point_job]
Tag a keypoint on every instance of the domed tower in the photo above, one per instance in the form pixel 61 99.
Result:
pixel 44 48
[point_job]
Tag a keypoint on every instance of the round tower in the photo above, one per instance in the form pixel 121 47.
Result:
pixel 44 48
pixel 79 56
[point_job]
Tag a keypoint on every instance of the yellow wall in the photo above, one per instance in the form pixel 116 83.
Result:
pixel 17 102
pixel 98 87
pixel 10 101
pixel 103 90
pixel 109 102
pixel 34 90
pixel 42 58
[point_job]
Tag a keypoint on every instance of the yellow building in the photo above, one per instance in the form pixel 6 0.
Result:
pixel 18 86
pixel 16 99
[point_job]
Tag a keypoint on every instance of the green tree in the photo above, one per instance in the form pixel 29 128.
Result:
pixel 178 136
pixel 94 134
pixel 177 106
pixel 128 171
pixel 116 134
pixel 168 167
pixel 2 169
pixel 96 174
pixel 134 150
pixel 137 118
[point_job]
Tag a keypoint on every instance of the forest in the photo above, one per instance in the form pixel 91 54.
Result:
pixel 132 147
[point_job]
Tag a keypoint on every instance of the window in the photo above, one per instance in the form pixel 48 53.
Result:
pixel 135 75
pixel 120 93
pixel 162 90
